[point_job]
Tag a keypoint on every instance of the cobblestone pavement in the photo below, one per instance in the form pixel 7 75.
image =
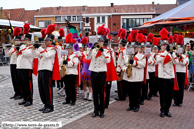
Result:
pixel 11 111
pixel 79 116
pixel 117 116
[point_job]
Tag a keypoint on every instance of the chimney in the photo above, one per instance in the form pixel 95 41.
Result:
pixel 1 8
pixel 111 4
pixel 37 10
pixel 84 8
pixel 153 6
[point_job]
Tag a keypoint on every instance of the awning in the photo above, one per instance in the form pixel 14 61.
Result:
pixel 16 24
pixel 167 22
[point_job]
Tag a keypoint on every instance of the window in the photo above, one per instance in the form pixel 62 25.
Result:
pixel 69 18
pixel 41 24
pixel 133 22
pixel 141 21
pixel 79 18
pixel 74 18
pixel 137 22
pixel 98 19
pixel 87 32
pixel 63 18
pixel 103 19
pixel 58 19
pixel 47 23
pixel 87 20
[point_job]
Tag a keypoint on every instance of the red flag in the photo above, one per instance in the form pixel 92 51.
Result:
pixel 56 73
pixel 145 72
pixel 35 67
pixel 176 87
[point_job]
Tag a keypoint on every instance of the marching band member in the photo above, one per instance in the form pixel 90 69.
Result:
pixel 155 50
pixel 99 57
pixel 71 63
pixel 24 66
pixel 120 88
pixel 133 78
pixel 151 65
pixel 144 85
pixel 60 47
pixel 165 61
pixel 111 74
pixel 181 67
pixel 85 73
pixel 46 70
pixel 13 64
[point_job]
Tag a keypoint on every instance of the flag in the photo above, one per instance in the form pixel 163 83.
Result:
pixel 73 30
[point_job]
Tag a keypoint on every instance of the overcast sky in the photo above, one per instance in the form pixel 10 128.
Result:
pixel 37 4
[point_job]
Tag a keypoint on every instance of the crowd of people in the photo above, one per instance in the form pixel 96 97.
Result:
pixel 142 64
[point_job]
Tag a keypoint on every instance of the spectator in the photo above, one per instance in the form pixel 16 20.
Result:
pixel 1 54
pixel 189 53
pixel 192 68
pixel 192 44
pixel 94 33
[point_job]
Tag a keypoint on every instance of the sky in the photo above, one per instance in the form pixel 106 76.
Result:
pixel 37 4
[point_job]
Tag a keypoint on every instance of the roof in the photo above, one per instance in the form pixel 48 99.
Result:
pixel 180 2
pixel 15 14
pixel 29 16
pixel 70 10
pixel 141 8
pixel 162 8
pixel 98 9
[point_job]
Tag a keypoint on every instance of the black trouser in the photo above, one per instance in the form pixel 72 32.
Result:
pixel 70 87
pixel 166 87
pixel 121 89
pixel 178 94
pixel 144 91
pixel 53 83
pixel 155 89
pixel 134 91
pixel 26 83
pixel 60 83
pixel 15 80
pixel 98 80
pixel 151 84
pixel 45 88
pixel 107 92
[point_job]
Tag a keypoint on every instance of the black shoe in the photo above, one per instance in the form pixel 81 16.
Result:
pixel 72 103
pixel 129 109
pixel 168 114
pixel 101 115
pixel 149 98
pixel 66 102
pixel 27 104
pixel 42 109
pixel 18 97
pixel 116 91
pixel 22 103
pixel 142 103
pixel 136 109
pixel 47 110
pixel 117 98
pixel 180 105
pixel 156 95
pixel 13 97
pixel 162 114
pixel 94 114
pixel 106 106
pixel 174 104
